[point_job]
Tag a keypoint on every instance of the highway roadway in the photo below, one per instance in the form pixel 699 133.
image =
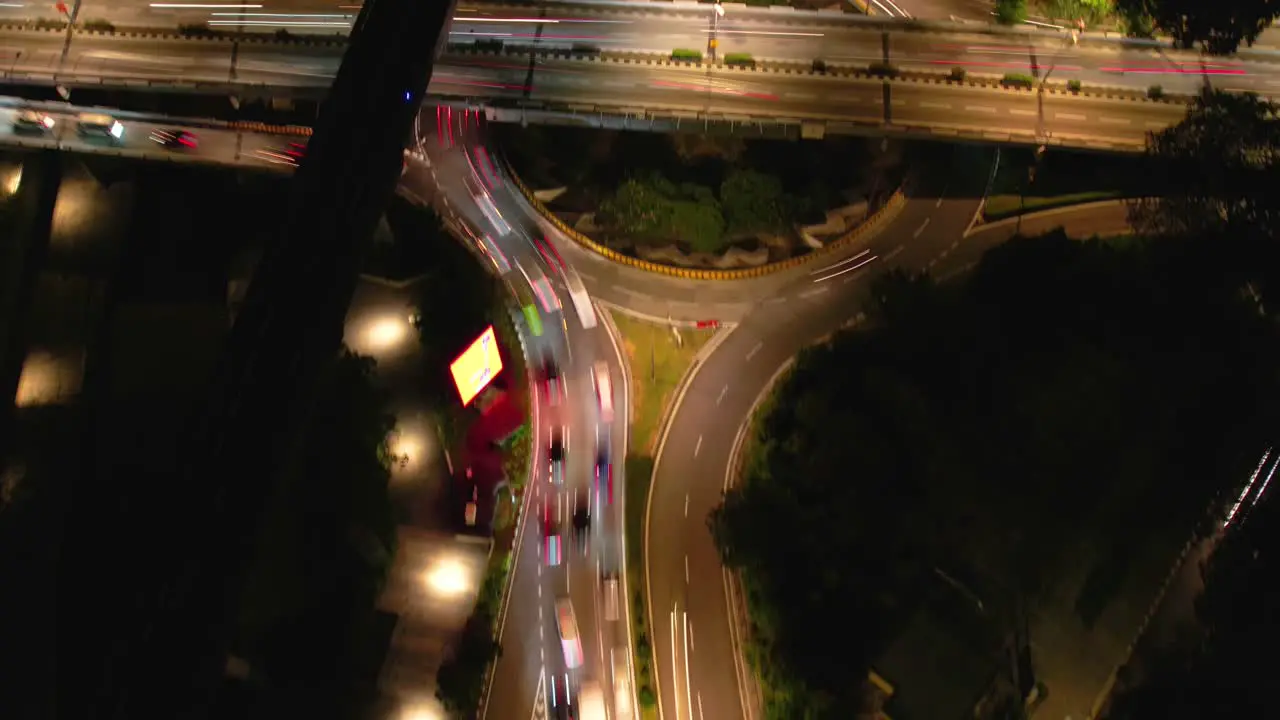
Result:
pixel 477 198
pixel 629 86
pixel 216 144
pixel 794 37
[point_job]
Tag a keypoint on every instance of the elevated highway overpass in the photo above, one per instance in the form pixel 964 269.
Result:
pixel 631 90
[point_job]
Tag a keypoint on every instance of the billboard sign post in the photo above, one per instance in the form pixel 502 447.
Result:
pixel 477 366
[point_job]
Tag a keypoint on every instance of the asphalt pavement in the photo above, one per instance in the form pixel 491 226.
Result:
pixel 532 671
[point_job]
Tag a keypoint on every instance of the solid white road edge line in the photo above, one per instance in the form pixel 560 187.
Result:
pixel 699 361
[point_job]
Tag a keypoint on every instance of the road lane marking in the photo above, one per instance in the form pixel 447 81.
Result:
pixel 754 350
pixel 686 569
pixel 686 504
pixel 1067 116
pixel 1114 121
pixel 675 692
pixel 893 253
pixel 920 229
pixel 897 102
pixel 934 105
pixel 697 448
pixel 1016 111
pixel 720 397
pixel 860 265
pixel 699 706
pixel 980 108
pixel 818 290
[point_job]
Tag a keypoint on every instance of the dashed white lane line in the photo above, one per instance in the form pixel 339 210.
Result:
pixel 980 108
pixel 686 504
pixel 754 350
pixel 934 105
pixel 699 706
pixel 1067 116
pixel 1114 121
pixel 697 448
pixel 720 397
pixel 893 253
pixel 686 569
pixel 920 229
pixel 814 292
pixel 1016 111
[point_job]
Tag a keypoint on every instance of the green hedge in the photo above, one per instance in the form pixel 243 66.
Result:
pixel 1018 80
pixel 744 59
pixel 686 54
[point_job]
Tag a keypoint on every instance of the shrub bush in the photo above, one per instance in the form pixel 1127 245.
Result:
pixel 1155 92
pixel 740 59
pixel 882 70
pixel 957 74
pixel 1018 80
pixel 686 55
pixel 1073 86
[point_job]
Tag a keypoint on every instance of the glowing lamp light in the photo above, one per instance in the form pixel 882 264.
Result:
pixel 386 333
pixel 449 578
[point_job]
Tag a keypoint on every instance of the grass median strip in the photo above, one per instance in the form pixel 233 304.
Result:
pixel 658 357
pixel 1024 184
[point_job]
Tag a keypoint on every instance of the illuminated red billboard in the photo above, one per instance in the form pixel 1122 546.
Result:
pixel 477 366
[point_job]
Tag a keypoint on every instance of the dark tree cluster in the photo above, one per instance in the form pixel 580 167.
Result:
pixel 1227 674
pixel 1219 28
pixel 1069 401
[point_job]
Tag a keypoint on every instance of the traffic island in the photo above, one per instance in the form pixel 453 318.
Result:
pixel 659 360
pixel 703 206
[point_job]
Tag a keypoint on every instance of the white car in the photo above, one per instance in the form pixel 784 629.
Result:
pixel 32 121
pixel 604 390
pixel 567 626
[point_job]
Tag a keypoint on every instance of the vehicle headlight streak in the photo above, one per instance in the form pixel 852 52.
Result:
pixel 1248 488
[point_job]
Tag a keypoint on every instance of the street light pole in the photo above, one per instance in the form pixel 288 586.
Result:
pixel 713 42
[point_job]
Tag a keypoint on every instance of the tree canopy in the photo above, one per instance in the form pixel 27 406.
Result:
pixel 1225 674
pixel 1025 421
pixel 1219 28
pixel 1215 175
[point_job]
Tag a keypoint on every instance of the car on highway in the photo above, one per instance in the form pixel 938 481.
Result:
pixel 604 476
pixel 174 139
pixel 551 549
pixel 604 389
pixel 100 126
pixel 552 386
pixel 581 521
pixel 290 154
pixel 556 456
pixel 32 122
pixel 567 628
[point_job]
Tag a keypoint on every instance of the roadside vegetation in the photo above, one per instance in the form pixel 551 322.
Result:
pixel 657 362
pixel 328 541
pixel 1084 385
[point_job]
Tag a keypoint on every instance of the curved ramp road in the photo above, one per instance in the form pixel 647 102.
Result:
pixel 456 175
